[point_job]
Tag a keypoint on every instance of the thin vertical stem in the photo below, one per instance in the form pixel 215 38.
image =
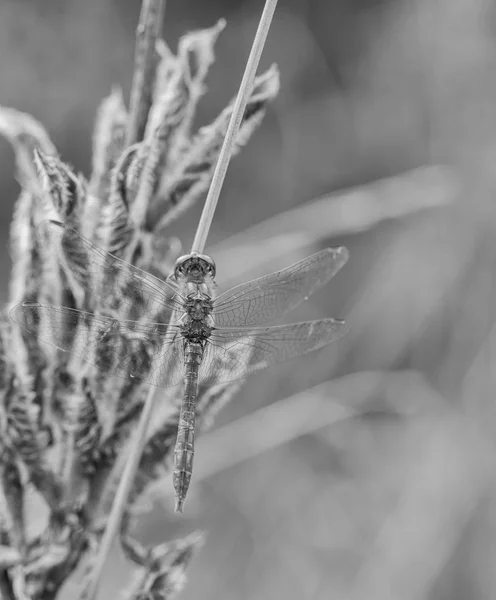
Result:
pixel 6 590
pixel 145 64
pixel 119 503
pixel 233 127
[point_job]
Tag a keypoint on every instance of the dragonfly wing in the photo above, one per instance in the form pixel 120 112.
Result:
pixel 262 300
pixel 147 352
pixel 235 353
pixel 118 285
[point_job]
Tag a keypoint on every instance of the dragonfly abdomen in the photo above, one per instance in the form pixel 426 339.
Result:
pixel 185 444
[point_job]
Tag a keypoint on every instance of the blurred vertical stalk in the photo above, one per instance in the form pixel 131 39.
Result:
pixel 145 63
pixel 121 496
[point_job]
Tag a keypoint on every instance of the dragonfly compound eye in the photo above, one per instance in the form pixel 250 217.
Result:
pixel 208 264
pixel 194 267
pixel 179 267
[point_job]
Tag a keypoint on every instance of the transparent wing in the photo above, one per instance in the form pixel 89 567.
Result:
pixel 147 352
pixel 119 285
pixel 262 300
pixel 235 353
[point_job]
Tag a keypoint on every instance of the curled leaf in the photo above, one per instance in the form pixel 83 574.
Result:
pixel 169 113
pixel 163 575
pixel 64 192
pixel 108 141
pixel 28 439
pixel 193 174
pixel 116 229
pixel 195 56
pixel 197 48
pixel 26 135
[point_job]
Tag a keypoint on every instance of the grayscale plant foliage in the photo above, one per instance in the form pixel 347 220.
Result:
pixel 64 424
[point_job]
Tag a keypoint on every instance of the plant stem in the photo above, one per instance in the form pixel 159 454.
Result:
pixel 233 127
pixel 140 103
pixel 6 590
pixel 119 503
pixel 145 64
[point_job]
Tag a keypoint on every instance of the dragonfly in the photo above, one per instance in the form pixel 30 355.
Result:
pixel 178 330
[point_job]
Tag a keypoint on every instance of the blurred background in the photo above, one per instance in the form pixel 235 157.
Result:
pixel 376 483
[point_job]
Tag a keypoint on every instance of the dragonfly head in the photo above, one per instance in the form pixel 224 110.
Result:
pixel 194 267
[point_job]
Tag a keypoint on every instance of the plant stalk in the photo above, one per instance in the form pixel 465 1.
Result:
pixel 119 503
pixel 145 65
pixel 233 127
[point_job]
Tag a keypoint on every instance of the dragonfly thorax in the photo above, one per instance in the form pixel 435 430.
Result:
pixel 197 322
pixel 198 306
pixel 195 330
pixel 194 268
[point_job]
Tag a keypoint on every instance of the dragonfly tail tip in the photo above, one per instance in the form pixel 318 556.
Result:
pixel 179 505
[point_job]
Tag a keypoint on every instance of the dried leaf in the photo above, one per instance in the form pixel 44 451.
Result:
pixel 108 141
pixel 55 555
pixel 193 174
pixel 163 575
pixel 197 49
pixel 166 67
pixel 26 134
pixel 36 273
pixel 33 265
pixel 61 187
pixel 12 493
pixel 116 230
pixel 195 56
pixel 28 439
pixel 169 114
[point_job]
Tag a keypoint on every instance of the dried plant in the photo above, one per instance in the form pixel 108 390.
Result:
pixel 63 423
